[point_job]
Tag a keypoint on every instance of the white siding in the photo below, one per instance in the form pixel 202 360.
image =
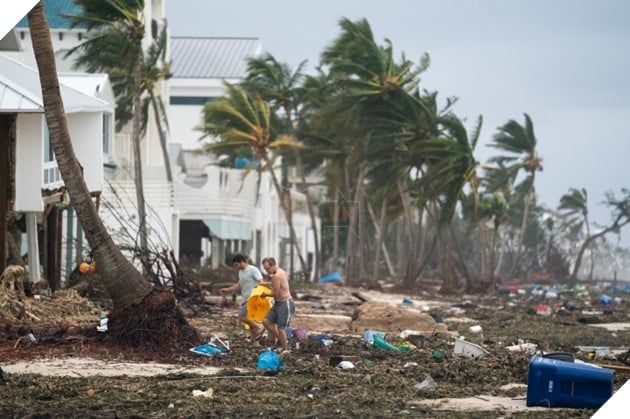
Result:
pixel 29 162
pixel 86 131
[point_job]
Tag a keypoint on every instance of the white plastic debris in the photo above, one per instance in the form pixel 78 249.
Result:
pixel 406 333
pixel 410 364
pixel 427 384
pixel 207 394
pixel 468 349
pixel 521 291
pixel 476 329
pixel 102 327
pixel 171 406
pixel 528 348
pixel 551 294
pixel 346 365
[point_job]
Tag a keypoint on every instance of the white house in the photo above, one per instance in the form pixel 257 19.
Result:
pixel 39 190
pixel 221 207
pixel 202 192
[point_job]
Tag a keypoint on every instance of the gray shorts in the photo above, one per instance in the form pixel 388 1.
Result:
pixel 281 313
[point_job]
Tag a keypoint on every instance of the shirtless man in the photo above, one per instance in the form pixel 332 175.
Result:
pixel 279 317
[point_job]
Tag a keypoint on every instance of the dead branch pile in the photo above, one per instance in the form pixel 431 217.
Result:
pixel 65 308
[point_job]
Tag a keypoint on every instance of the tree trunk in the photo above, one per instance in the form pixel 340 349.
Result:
pixel 162 133
pixel 379 235
pixel 285 210
pixel 380 231
pixel 335 257
pixel 124 284
pixel 311 213
pixel 521 239
pixel 578 262
pixel 137 156
pixel 588 233
pixel 351 258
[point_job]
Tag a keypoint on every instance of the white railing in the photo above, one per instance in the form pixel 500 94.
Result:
pixel 190 201
pixel 156 194
pixel 50 175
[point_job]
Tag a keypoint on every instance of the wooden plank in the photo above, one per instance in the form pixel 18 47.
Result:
pixel 617 368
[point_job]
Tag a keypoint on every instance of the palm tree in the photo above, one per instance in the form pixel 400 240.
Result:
pixel 141 314
pixel 278 84
pixel 124 283
pixel 574 203
pixel 240 120
pixel 519 142
pixel 450 167
pixel 620 208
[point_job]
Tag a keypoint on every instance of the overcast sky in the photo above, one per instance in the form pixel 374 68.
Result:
pixel 564 62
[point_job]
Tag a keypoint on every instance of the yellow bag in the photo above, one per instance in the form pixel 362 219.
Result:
pixel 257 306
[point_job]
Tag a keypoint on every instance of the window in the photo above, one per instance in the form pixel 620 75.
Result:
pixel 80 36
pixel 107 118
pixel 48 150
pixel 61 36
pixel 22 35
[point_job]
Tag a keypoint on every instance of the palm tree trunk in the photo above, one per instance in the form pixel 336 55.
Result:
pixel 285 210
pixel 311 212
pixel 162 133
pixel 524 223
pixel 137 157
pixel 335 258
pixel 351 262
pixel 578 262
pixel 588 233
pixel 380 233
pixel 124 284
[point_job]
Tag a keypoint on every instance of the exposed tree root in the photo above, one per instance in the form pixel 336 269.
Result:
pixel 155 324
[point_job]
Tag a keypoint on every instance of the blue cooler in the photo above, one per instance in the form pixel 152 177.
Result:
pixel 554 383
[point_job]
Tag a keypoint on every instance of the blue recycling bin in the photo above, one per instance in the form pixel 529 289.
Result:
pixel 554 383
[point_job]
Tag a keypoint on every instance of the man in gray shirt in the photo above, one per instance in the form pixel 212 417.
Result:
pixel 249 277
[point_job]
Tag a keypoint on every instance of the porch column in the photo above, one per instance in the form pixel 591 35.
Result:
pixel 33 246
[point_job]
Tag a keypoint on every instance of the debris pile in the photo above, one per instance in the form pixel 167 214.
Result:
pixel 64 308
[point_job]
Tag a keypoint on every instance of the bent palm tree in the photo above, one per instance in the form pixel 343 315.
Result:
pixel 279 85
pixel 519 142
pixel 575 203
pixel 141 315
pixel 240 120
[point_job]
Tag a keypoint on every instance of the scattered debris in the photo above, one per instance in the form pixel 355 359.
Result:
pixel 268 361
pixel 206 394
pixel 476 329
pixel 526 347
pixel 346 365
pixel 427 384
pixel 468 349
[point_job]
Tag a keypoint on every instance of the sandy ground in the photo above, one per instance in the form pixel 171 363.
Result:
pixel 478 403
pixel 89 367
pixel 613 327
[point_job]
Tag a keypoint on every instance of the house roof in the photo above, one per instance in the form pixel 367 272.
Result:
pixel 212 58
pixel 92 84
pixel 20 91
pixel 55 11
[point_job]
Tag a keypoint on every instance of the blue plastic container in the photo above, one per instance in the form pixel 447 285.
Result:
pixel 554 383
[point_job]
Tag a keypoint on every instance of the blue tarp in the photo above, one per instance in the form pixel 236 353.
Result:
pixel 331 277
